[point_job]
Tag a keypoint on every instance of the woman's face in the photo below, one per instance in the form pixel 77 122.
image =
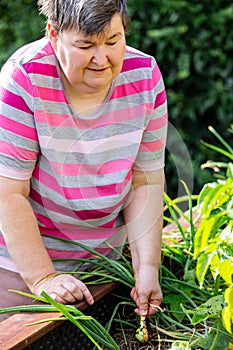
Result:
pixel 90 63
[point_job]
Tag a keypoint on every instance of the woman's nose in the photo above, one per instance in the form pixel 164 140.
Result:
pixel 100 57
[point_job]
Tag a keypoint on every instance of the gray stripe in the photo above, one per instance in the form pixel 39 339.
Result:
pixel 17 115
pixel 16 140
pixel 105 131
pixel 154 134
pixel 14 163
pixel 4 252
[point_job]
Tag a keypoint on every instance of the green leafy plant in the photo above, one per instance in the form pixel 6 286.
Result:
pixel 202 252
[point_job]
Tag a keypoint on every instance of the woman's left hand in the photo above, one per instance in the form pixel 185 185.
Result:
pixel 147 292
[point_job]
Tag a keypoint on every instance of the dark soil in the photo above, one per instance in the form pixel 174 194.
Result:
pixel 124 335
pixel 68 337
pixel 125 338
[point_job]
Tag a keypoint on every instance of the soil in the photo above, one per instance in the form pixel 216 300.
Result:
pixel 124 335
pixel 125 339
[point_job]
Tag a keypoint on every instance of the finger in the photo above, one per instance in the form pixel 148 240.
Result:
pixel 86 293
pixel 62 295
pixel 57 298
pixel 143 305
pixel 73 292
pixel 133 293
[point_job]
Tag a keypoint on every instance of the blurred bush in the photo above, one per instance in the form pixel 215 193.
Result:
pixel 19 24
pixel 193 44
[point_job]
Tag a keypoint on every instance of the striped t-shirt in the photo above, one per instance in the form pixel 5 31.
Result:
pixel 80 166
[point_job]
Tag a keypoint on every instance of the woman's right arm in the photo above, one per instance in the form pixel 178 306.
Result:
pixel 26 247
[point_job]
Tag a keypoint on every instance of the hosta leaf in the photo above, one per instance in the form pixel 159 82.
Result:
pixel 226 270
pixel 214 265
pixel 212 308
pixel 227 313
pixel 207 228
pixel 202 266
pixel 215 195
pixel 227 319
pixel 229 297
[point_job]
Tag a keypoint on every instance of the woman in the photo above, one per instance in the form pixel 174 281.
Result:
pixel 83 129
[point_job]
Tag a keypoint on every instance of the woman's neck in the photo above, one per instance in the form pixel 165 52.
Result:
pixel 84 101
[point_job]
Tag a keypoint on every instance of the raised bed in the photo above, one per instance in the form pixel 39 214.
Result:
pixel 13 331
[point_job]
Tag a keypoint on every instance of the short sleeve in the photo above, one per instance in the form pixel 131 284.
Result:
pixel 18 136
pixel 152 149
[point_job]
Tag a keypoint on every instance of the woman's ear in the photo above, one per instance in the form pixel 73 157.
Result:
pixel 51 32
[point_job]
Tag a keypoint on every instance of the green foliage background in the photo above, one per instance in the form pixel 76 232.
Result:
pixel 193 44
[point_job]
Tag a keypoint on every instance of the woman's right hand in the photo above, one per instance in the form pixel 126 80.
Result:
pixel 63 288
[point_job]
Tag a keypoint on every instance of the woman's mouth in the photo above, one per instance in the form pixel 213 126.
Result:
pixel 98 70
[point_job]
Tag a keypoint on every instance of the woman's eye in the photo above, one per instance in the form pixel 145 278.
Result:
pixel 112 43
pixel 84 47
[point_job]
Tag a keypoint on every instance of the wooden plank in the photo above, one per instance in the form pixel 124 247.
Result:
pixel 15 335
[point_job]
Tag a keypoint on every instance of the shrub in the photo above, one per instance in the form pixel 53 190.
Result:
pixel 192 42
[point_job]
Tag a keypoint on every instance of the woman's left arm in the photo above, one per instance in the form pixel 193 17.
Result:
pixel 143 219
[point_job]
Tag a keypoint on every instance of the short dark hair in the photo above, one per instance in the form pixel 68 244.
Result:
pixel 90 16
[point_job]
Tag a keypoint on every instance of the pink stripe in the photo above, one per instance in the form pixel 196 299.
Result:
pixel 14 100
pixel 156 124
pixel 49 94
pixel 160 99
pixel 17 152
pixel 140 85
pixel 112 223
pixel 131 88
pixel 96 170
pixel 69 227
pixel 2 241
pixel 57 254
pixel 51 225
pixel 124 115
pixel 52 119
pixel 42 69
pixel 23 81
pixel 75 214
pixel 156 76
pixel 136 63
pixel 78 193
pixel 47 50
pixel 18 128
pixel 153 146
pixel 77 233
pixel 47 180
